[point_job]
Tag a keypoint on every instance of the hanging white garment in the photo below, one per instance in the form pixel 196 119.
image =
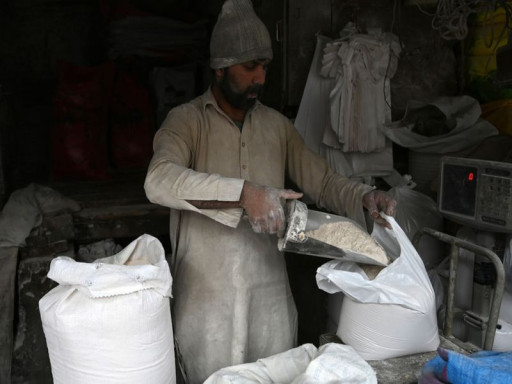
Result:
pixel 313 119
pixel 360 100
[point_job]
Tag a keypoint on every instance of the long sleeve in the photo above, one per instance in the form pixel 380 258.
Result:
pixel 170 179
pixel 328 189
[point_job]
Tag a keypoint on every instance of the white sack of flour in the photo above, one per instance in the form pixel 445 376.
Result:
pixel 331 363
pixel 110 321
pixel 391 315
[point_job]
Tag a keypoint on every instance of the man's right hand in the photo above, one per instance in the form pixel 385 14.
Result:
pixel 264 207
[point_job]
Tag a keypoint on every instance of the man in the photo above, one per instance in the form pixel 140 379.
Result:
pixel 220 163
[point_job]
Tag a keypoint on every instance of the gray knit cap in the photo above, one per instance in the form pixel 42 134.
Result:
pixel 238 36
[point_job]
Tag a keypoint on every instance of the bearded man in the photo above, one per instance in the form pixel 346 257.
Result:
pixel 220 163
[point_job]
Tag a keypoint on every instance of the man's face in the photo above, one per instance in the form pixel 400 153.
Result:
pixel 242 84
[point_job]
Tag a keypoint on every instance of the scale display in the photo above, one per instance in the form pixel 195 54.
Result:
pixel 477 193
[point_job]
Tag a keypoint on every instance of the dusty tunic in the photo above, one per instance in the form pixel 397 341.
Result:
pixel 232 299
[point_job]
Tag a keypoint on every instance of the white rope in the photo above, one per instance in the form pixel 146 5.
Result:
pixel 451 17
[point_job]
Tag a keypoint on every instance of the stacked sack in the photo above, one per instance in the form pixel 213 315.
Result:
pixel 110 321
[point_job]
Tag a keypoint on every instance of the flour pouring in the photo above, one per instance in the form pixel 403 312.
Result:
pixel 322 234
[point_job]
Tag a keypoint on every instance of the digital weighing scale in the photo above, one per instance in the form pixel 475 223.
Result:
pixel 477 193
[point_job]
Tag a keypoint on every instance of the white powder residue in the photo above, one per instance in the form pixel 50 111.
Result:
pixel 371 271
pixel 345 235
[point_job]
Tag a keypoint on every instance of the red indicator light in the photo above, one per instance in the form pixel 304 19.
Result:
pixel 471 176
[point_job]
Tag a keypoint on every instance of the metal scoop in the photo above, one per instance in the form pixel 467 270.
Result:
pixel 301 220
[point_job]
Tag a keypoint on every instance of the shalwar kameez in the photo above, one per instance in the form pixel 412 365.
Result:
pixel 232 301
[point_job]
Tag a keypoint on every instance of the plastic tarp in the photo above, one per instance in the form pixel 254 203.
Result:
pixel 487 367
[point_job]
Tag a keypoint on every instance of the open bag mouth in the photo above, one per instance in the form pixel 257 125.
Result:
pixel 326 235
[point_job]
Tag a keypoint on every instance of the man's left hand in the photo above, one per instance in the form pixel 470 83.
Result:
pixel 376 201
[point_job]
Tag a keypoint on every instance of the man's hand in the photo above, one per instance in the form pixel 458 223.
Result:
pixel 376 201
pixel 264 207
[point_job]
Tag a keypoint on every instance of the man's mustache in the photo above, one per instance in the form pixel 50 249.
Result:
pixel 254 89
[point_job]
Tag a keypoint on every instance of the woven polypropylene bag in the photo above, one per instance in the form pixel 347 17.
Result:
pixel 110 321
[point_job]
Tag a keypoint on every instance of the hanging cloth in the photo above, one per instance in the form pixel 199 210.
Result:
pixel 360 100
pixel 313 120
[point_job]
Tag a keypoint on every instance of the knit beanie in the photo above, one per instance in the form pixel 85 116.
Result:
pixel 238 36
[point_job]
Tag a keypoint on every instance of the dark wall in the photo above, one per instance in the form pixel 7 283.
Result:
pixel 427 66
pixel 36 34
pixel 33 36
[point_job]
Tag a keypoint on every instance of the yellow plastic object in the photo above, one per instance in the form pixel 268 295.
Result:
pixel 487 35
pixel 499 113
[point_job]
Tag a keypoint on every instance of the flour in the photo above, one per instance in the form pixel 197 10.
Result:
pixel 141 261
pixel 371 271
pixel 345 235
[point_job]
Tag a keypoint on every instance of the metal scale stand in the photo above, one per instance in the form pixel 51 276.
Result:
pixel 487 323
pixel 477 194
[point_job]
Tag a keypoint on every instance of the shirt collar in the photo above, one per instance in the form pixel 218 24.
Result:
pixel 208 98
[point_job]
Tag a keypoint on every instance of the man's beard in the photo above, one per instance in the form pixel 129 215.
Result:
pixel 239 100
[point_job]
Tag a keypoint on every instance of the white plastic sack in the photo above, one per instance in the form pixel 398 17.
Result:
pixel 331 363
pixel 463 111
pixel 503 337
pixel 506 307
pixel 313 114
pixel 110 321
pixel 395 313
pixel 415 211
pixel 507 264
